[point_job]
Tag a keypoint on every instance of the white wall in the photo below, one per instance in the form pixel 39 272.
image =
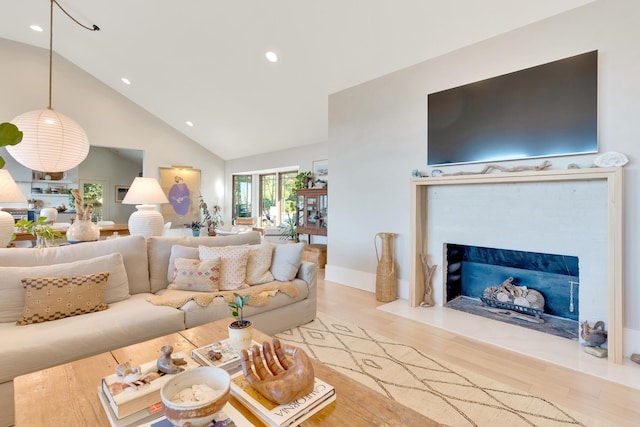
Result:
pixel 109 119
pixel 377 135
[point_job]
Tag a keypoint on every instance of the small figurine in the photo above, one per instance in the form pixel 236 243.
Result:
pixel 595 336
pixel 167 364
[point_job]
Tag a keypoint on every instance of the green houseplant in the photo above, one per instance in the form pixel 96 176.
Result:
pixel 212 218
pixel 40 229
pixel 195 228
pixel 240 330
pixel 9 135
pixel 302 180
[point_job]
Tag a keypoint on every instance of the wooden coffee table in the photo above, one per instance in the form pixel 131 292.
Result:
pixel 66 395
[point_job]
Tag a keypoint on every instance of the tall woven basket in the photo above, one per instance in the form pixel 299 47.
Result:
pixel 386 282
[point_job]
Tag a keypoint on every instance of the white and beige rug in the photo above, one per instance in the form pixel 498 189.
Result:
pixel 440 390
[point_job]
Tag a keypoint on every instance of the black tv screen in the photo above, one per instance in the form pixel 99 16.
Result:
pixel 546 110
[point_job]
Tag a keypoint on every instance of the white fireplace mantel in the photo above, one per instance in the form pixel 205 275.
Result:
pixel 614 180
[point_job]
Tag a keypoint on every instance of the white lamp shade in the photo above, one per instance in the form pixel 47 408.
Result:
pixel 9 191
pixel 145 193
pixel 52 142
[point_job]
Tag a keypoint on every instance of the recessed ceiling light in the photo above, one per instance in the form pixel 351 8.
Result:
pixel 271 56
pixel 189 123
pixel 35 27
pixel 125 81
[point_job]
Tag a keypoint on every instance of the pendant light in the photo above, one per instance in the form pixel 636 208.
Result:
pixel 52 142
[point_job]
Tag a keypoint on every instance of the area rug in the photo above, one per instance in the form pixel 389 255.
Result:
pixel 440 390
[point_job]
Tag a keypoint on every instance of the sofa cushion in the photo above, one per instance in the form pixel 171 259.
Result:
pixel 12 289
pixel 53 298
pixel 132 248
pixel 159 250
pixel 196 275
pixel 286 261
pixel 39 346
pixel 179 251
pixel 233 264
pixel 259 263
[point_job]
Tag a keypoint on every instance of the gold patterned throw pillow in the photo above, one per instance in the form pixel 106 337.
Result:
pixel 233 265
pixel 52 298
pixel 196 275
pixel 259 263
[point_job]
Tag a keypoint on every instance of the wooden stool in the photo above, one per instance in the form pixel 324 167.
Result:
pixel 316 254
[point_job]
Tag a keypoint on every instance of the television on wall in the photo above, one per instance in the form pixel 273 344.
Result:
pixel 542 111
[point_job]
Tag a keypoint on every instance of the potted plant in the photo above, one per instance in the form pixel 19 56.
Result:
pixel 213 218
pixel 240 330
pixel 9 135
pixel 195 228
pixel 288 227
pixel 40 229
pixel 302 180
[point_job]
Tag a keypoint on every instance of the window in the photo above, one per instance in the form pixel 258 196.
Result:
pixel 287 196
pixel 269 199
pixel 241 196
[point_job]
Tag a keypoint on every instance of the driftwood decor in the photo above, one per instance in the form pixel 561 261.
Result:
pixel 488 168
pixel 428 271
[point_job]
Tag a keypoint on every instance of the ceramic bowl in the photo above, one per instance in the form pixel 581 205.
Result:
pixel 200 413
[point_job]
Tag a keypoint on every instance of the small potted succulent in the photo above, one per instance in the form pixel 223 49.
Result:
pixel 195 227
pixel 240 330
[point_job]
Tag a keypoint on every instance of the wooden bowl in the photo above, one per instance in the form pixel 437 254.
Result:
pixel 199 413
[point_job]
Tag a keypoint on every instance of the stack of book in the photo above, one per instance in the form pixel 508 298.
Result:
pixel 288 414
pixel 129 405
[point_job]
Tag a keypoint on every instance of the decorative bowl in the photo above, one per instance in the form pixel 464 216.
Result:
pixel 200 413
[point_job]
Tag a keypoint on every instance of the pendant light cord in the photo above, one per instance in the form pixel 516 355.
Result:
pixel 93 28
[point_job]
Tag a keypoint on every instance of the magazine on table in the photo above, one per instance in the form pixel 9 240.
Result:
pixel 276 415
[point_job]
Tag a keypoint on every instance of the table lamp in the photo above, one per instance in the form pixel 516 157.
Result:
pixel 145 193
pixel 9 193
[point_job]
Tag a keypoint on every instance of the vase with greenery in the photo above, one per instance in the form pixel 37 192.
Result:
pixel 9 135
pixel 240 330
pixel 302 180
pixel 212 218
pixel 40 229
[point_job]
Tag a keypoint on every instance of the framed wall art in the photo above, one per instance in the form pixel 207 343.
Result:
pixel 121 191
pixel 321 170
pixel 182 188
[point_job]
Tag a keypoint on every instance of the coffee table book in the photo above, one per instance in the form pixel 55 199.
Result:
pixel 228 417
pixel 125 400
pixel 287 414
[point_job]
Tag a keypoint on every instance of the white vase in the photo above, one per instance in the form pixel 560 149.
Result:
pixel 83 230
pixel 240 337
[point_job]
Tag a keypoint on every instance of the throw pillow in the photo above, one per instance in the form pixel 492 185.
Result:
pixel 196 275
pixel 12 290
pixel 287 258
pixel 233 265
pixel 259 263
pixel 52 298
pixel 179 251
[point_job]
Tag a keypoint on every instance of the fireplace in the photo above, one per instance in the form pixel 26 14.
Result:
pixel 576 212
pixel 551 282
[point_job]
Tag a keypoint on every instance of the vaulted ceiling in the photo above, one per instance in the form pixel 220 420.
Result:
pixel 204 61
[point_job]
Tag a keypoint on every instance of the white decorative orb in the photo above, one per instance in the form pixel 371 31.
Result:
pixel 51 214
pixel 146 221
pixel 52 142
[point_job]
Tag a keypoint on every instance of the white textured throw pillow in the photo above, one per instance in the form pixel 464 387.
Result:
pixel 259 263
pixel 12 290
pixel 196 275
pixel 233 264
pixel 287 258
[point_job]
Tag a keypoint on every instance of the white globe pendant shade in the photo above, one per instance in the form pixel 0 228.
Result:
pixel 52 142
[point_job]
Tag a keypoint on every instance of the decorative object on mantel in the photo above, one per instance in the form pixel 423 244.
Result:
pixel 428 271
pixel 594 337
pixel 386 283
pixel 611 159
pixel 488 168
pixel 82 229
pixel 52 141
pixel 635 357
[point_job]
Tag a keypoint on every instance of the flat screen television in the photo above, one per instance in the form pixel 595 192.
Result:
pixel 542 111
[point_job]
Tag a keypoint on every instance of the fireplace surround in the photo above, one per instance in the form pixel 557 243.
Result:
pixel 586 203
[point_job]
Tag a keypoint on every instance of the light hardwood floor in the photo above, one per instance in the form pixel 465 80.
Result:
pixel 589 395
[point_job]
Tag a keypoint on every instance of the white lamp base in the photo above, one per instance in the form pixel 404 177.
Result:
pixel 146 221
pixel 6 228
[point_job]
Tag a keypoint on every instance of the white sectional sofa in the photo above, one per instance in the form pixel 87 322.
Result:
pixel 139 271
